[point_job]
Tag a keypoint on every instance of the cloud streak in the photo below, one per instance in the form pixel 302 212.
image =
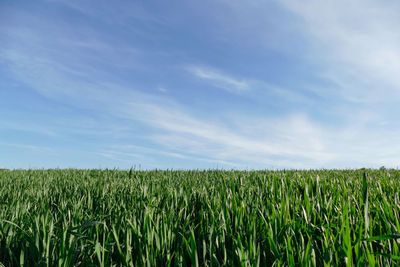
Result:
pixel 283 138
pixel 356 42
pixel 219 79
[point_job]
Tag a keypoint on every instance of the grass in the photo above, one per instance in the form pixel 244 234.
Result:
pixel 199 218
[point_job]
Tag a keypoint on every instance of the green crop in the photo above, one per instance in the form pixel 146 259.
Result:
pixel 199 218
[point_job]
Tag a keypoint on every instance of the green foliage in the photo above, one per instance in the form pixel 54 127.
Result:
pixel 199 218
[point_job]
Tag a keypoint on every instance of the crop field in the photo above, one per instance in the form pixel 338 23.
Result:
pixel 199 218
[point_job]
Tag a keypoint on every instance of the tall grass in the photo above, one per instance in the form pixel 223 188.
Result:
pixel 199 218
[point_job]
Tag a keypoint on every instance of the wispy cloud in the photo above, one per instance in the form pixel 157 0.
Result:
pixel 148 154
pixel 27 127
pixel 219 79
pixel 274 141
pixel 255 89
pixel 28 147
pixel 293 141
pixel 356 43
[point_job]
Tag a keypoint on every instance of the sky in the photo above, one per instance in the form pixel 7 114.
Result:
pixel 226 84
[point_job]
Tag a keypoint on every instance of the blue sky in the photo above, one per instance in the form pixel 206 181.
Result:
pixel 199 84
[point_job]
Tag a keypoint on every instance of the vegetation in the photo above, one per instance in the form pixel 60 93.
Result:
pixel 206 218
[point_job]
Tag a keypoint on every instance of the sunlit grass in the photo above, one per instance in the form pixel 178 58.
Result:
pixel 212 218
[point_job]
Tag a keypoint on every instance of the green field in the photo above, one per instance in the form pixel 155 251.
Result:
pixel 205 218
